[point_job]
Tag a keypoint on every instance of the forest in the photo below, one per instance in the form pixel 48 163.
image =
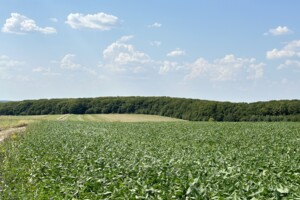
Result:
pixel 182 108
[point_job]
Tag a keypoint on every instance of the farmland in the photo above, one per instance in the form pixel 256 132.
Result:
pixel 12 121
pixel 120 118
pixel 151 160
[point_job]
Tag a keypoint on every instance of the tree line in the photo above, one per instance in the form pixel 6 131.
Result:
pixel 188 109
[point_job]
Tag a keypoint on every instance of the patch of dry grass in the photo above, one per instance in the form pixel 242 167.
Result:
pixel 16 121
pixel 121 118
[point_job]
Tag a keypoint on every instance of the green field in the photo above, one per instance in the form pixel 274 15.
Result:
pixel 11 121
pixel 165 160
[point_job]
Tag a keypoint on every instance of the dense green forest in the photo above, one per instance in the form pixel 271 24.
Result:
pixel 188 109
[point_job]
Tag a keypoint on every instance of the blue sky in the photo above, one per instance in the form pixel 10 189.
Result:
pixel 225 50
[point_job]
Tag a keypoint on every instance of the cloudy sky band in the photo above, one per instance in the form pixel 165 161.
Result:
pixel 134 61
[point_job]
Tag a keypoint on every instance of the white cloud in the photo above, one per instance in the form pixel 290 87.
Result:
pixel 155 25
pixel 100 21
pixel 68 62
pixel 289 63
pixel 20 24
pixel 121 56
pixel 229 68
pixel 168 66
pixel 199 68
pixel 6 62
pixel 125 38
pixel 280 30
pixel 289 50
pixel 293 46
pixel 275 53
pixel 255 71
pixel 177 52
pixel 155 43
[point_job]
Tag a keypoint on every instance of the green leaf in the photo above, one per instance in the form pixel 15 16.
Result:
pixel 283 190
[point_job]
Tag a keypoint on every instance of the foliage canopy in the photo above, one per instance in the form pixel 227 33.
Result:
pixel 188 109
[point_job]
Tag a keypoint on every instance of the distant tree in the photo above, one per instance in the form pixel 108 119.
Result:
pixel 188 109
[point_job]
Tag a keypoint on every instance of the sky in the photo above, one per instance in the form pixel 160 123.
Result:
pixel 224 50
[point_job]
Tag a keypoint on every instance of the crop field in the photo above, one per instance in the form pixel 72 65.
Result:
pixel 166 160
pixel 120 118
pixel 12 121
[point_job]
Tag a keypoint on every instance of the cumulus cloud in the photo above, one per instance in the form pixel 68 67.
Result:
pixel 100 21
pixel 177 52
pixel 168 66
pixel 275 53
pixel 255 71
pixel 289 63
pixel 68 62
pixel 229 68
pixel 280 30
pixel 199 68
pixel 6 62
pixel 20 24
pixel 289 50
pixel 155 25
pixel 121 56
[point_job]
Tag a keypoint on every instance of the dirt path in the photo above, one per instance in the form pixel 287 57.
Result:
pixel 6 133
